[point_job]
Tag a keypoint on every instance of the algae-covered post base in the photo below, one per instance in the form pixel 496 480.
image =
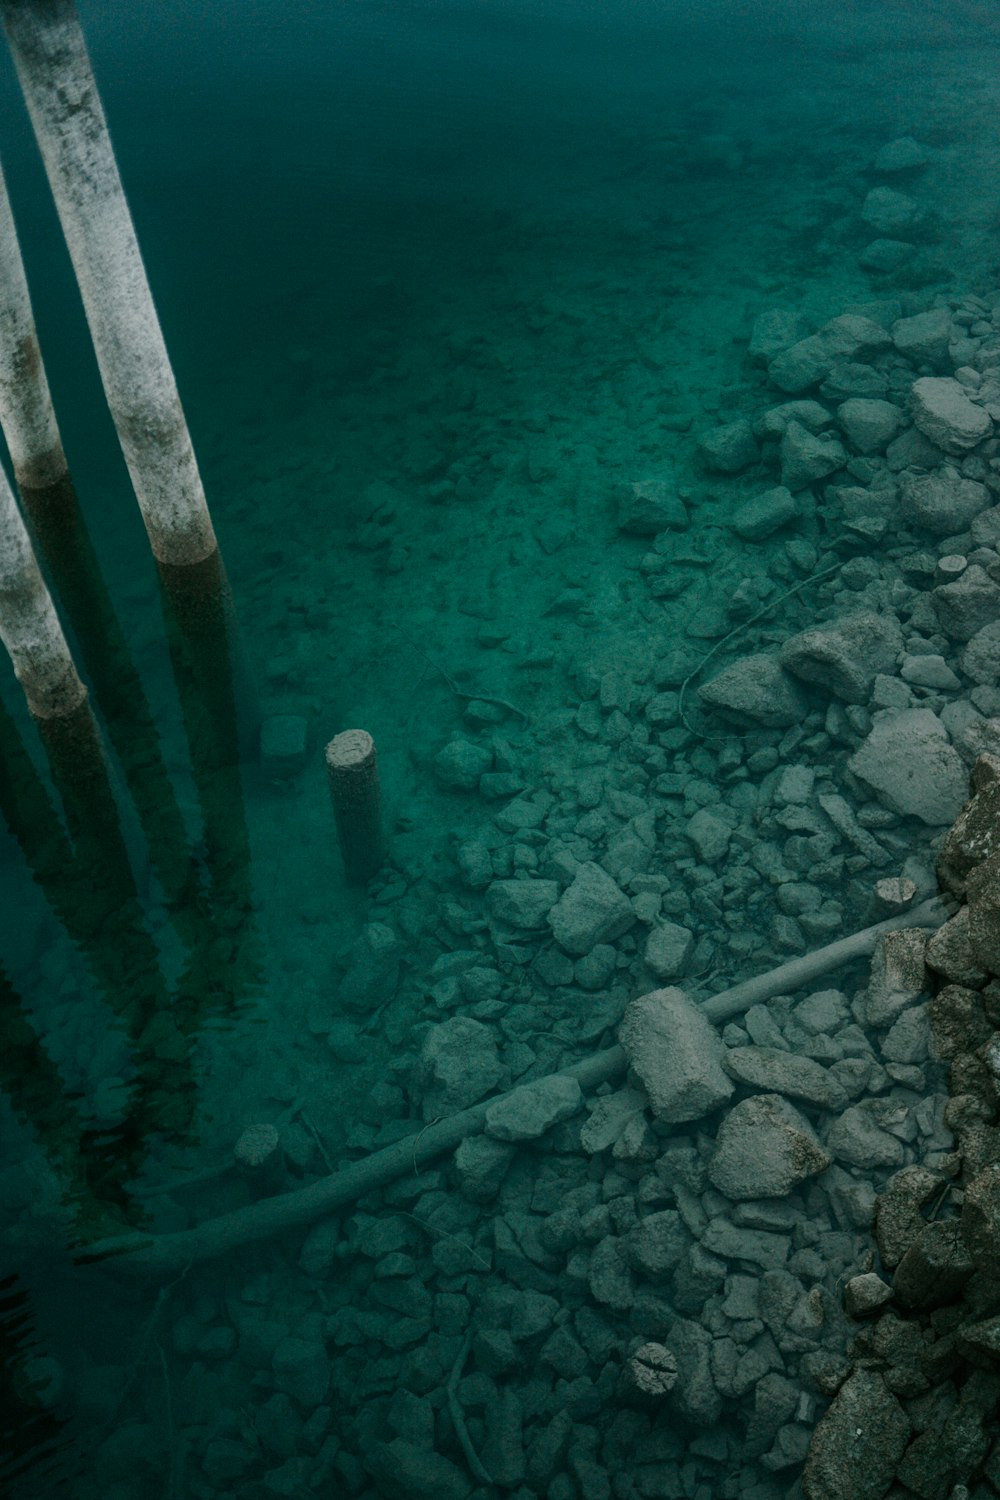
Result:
pixel 352 774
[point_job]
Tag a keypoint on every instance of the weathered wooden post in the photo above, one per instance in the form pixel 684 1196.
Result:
pixel 53 67
pixel 352 774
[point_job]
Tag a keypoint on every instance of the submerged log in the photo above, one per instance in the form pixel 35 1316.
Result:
pixel 155 1256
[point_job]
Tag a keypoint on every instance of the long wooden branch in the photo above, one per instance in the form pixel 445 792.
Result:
pixel 153 1257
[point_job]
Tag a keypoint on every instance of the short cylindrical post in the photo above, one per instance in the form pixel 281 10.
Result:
pixel 352 772
pixel 54 70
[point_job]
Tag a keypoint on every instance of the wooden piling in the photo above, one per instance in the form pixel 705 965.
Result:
pixel 352 774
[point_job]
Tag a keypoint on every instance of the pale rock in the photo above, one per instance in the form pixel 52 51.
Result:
pixel 676 1055
pixel 943 412
pixel 764 1149
pixel 943 503
pixel 908 762
pixel 756 688
pixel 592 910
pixel 845 656
pixel 868 424
pixel 527 1112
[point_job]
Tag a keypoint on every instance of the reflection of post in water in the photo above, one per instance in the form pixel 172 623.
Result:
pixel 32 1448
pixel 29 425
pixel 224 968
pixel 39 1097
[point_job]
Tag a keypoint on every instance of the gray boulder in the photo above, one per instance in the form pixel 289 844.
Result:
pixel 902 155
pixel 756 688
pixel 709 835
pixel 869 424
pixel 908 762
pixel 785 1073
pixel 943 503
pixel 460 764
pixel 592 910
pixel 676 1054
pixel 765 1149
pixel 847 655
pixel 481 1164
pixel 527 1112
pixel 943 412
pixel 856 1139
pixel 857 1443
pixel 807 457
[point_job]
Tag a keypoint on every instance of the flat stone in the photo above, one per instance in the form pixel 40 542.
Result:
pixel 457 1066
pixel 909 763
pixel 845 656
pixel 805 364
pixel 759 689
pixel 856 1140
pixel 527 1112
pixel 522 903
pixel 774 330
pixel 787 1074
pixel 964 607
pixel 592 910
pixel 676 1054
pixel 943 412
pixel 764 514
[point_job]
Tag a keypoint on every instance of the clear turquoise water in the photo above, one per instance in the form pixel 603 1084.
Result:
pixel 500 258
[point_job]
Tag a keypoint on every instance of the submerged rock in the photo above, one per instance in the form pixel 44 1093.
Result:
pixel 676 1054
pixel 592 910
pixel 649 506
pixel 858 1442
pixel 908 761
pixel 943 503
pixel 943 412
pixel 527 1112
pixel 458 1065
pixel 728 449
pixel 785 1073
pixel 847 655
pixel 765 1149
pixel 757 688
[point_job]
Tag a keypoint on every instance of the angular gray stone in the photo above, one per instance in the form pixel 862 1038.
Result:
pixel 943 503
pixel 868 424
pixel 805 364
pixel 865 1294
pixel 765 513
pixel 668 948
pixel 980 659
pixel 806 457
pixel 728 449
pixel 776 329
pixel 460 764
pixel 764 1149
pixel 925 337
pixel 902 155
pixel 527 1112
pixel 858 1442
pixel 756 688
pixel 592 910
pixel 857 1140
pixel 676 1054
pixel 889 212
pixel 522 903
pixel 481 1164
pixel 908 762
pixel 785 1073
pixel 649 506
pixel 694 1396
pixel 710 836
pixel 943 412
pixel 847 655
pixel 457 1066
pixel 964 607
pixel 403 1471
pixel 608 1118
